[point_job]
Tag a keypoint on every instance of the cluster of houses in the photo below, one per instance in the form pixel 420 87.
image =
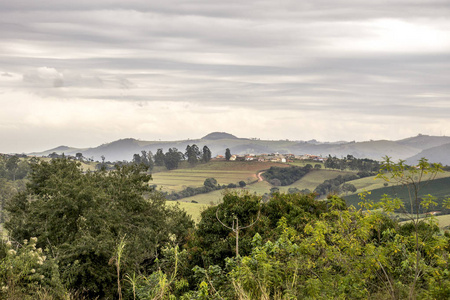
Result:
pixel 273 157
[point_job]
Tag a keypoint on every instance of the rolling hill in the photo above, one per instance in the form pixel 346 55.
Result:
pixel 439 154
pixel 432 147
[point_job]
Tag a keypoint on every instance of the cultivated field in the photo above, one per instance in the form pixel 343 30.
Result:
pixel 224 172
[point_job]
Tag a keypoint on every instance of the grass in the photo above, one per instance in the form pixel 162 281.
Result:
pixel 314 178
pixel 444 221
pixel 439 188
pixel 192 209
pixel 224 172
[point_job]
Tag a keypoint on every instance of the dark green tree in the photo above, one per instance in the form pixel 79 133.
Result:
pixel 206 154
pixel 12 164
pixel 172 158
pixel 210 183
pixel 81 217
pixel 192 154
pixel 227 154
pixel 137 159
pixel 159 157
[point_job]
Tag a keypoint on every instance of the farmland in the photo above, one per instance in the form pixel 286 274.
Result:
pixel 224 172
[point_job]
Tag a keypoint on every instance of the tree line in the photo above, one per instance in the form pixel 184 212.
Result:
pixel 172 158
pixel 353 163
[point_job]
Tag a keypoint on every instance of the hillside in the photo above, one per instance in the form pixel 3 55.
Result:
pixel 439 154
pixel 423 142
pixel 218 141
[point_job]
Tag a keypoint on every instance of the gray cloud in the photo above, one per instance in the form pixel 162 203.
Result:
pixel 380 58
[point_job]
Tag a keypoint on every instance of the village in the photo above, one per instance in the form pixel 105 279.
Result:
pixel 273 157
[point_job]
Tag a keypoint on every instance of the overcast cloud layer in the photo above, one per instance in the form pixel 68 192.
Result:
pixel 82 73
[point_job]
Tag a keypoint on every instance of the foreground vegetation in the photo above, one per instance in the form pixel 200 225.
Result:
pixel 109 235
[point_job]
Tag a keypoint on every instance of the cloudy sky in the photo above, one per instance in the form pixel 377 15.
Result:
pixel 86 72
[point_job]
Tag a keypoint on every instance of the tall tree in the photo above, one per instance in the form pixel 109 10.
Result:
pixel 206 154
pixel 192 154
pixel 12 164
pixel 159 157
pixel 137 159
pixel 172 158
pixel 227 154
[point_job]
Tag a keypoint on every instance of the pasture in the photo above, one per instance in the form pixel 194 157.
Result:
pixel 224 172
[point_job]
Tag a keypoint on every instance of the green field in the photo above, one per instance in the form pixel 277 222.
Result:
pixel 438 188
pixel 224 172
pixel 314 178
pixel 192 209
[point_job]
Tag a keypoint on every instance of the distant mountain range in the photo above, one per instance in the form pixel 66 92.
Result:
pixel 435 148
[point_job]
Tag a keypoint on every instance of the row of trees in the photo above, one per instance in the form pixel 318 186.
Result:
pixel 172 158
pixel 337 185
pixel 285 176
pixel 13 168
pixel 352 163
pixel 209 185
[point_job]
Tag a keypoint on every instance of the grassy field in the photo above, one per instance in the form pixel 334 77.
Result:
pixel 224 172
pixel 314 178
pixel 371 183
pixel 192 209
pixel 438 188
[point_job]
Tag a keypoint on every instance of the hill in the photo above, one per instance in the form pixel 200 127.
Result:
pixel 218 136
pixel 218 141
pixel 439 154
pixel 423 142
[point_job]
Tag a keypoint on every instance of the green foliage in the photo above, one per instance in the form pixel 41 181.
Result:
pixel 172 158
pixel 25 271
pixel 192 154
pixel 285 176
pixel 81 217
pixel 352 163
pixel 336 185
pixel 227 154
pixel 159 157
pixel 206 154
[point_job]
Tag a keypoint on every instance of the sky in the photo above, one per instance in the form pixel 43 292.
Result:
pixel 83 73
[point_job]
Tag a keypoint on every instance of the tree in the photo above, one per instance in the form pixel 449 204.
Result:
pixel 137 159
pixel 348 188
pixel 192 154
pixel 159 157
pixel 210 183
pixel 172 158
pixel 79 156
pixel 414 178
pixel 12 165
pixel 206 154
pixel 148 159
pixel 242 183
pixel 81 217
pixel 227 154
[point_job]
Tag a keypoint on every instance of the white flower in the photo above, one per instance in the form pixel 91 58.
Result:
pixel 12 252
pixel 33 271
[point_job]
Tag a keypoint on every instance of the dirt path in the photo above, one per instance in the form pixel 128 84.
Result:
pixel 260 177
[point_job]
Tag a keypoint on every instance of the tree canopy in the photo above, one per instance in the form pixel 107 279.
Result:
pixel 81 217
